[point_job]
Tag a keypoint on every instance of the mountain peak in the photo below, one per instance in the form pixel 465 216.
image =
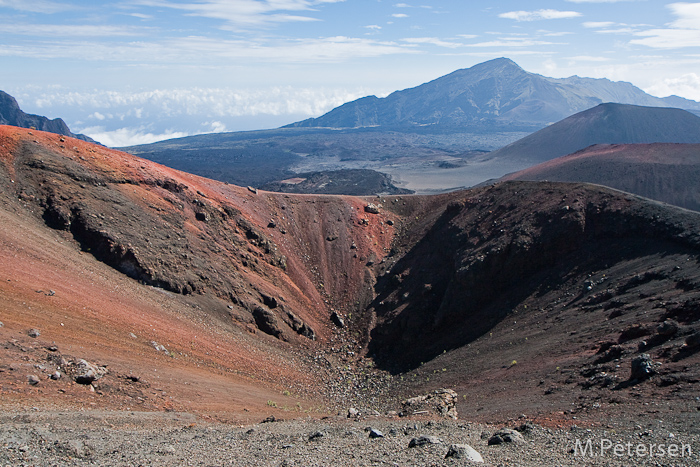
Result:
pixel 498 63
pixel 488 95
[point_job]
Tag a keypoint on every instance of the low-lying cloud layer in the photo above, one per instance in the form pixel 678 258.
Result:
pixel 145 69
pixel 128 118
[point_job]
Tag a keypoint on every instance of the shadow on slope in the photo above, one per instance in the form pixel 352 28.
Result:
pixel 496 246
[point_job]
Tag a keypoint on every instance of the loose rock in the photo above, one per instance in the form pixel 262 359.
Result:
pixel 668 328
pixel 316 435
pixel 642 367
pixel 441 401
pixel 34 333
pixel 423 440
pixel 86 372
pixel 506 435
pixel 464 451
pixel 337 319
pixel 693 340
pixel 372 208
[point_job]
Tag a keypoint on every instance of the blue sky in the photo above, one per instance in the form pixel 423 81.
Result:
pixel 134 71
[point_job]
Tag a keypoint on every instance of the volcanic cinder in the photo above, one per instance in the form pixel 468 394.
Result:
pixel 198 296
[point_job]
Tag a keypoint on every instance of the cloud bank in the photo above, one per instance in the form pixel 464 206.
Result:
pixel 539 15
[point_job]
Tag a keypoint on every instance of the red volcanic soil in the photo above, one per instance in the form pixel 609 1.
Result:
pixel 89 310
pixel 198 282
pixel 660 171
pixel 204 297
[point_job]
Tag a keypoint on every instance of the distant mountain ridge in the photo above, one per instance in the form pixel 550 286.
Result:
pixel 433 137
pixel 494 93
pixel 11 114
pixel 604 124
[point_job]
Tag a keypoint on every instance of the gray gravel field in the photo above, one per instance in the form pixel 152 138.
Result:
pixel 90 438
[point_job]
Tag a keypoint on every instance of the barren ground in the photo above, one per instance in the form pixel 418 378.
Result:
pixel 211 308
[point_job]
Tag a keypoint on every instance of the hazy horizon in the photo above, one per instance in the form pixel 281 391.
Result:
pixel 138 71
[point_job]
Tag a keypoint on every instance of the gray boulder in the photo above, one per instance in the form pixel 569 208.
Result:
pixel 423 440
pixel 464 451
pixel 668 328
pixel 440 401
pixel 87 373
pixel 505 435
pixel 693 340
pixel 316 435
pixel 642 367
pixel 372 208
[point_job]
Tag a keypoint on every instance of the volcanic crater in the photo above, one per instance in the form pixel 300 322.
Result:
pixel 199 296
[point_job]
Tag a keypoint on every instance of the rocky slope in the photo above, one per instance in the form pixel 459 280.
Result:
pixel 603 124
pixel 194 295
pixel 663 172
pixel 356 182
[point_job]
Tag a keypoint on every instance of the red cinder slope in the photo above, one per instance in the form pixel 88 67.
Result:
pixel 237 286
pixel 662 171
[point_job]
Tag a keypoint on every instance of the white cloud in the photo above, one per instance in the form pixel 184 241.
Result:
pixel 130 118
pixel 687 85
pixel 206 51
pixel 598 24
pixel 600 1
pixel 554 33
pixel 539 15
pixel 681 33
pixel 243 14
pixel 589 58
pixel 623 31
pixel 129 136
pixel 211 102
pixel 35 6
pixel 216 127
pixel 432 41
pixel 400 15
pixel 59 30
pixel 668 38
pixel 406 5
pixel 688 15
pixel 511 42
